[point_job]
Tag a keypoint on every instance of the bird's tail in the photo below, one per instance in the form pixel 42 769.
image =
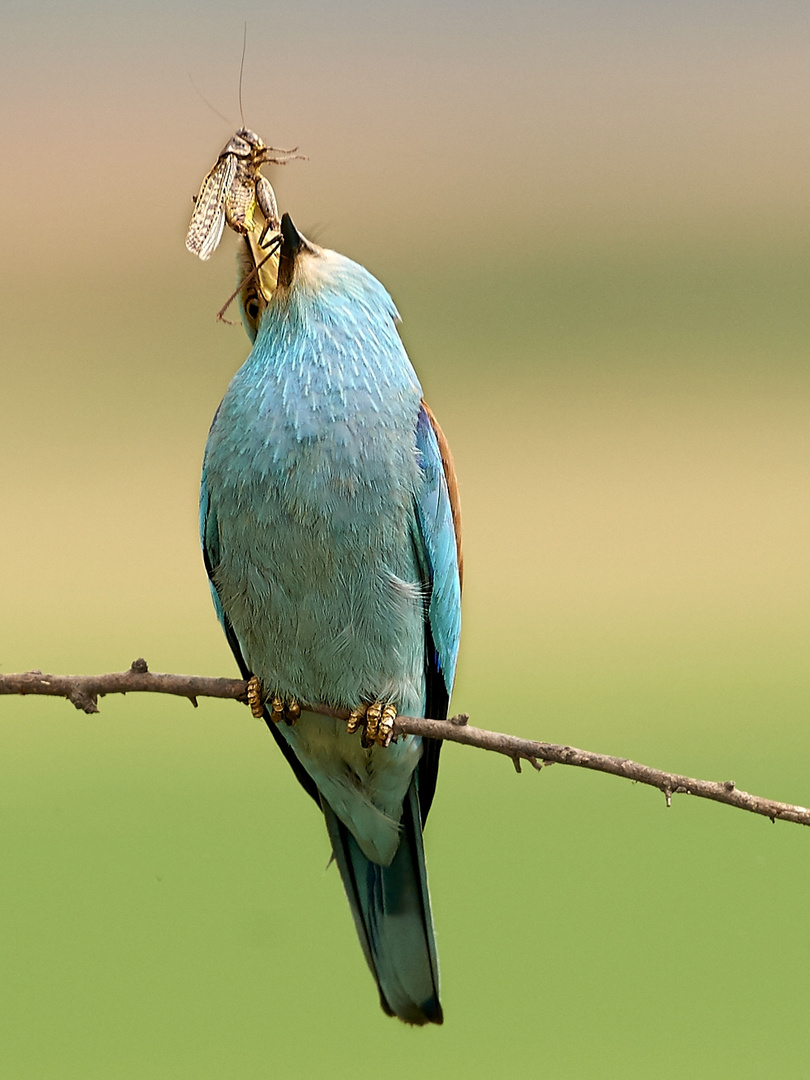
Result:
pixel 391 910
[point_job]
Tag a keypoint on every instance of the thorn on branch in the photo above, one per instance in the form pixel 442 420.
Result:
pixel 516 763
pixel 535 764
pixel 668 795
pixel 193 701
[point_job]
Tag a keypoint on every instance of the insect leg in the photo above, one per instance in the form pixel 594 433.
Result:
pixel 266 198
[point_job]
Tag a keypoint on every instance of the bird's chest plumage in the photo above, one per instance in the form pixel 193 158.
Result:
pixel 311 472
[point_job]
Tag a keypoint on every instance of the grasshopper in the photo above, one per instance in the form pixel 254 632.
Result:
pixel 232 190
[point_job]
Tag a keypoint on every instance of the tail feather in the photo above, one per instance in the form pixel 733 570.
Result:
pixel 391 910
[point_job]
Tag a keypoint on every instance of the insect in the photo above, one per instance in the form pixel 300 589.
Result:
pixel 232 190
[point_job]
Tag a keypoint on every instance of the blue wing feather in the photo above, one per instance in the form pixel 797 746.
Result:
pixel 209 538
pixel 437 525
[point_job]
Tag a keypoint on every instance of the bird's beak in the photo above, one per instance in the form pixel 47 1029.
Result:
pixel 291 244
pixel 262 260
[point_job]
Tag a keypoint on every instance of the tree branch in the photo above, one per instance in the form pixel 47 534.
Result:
pixel 85 690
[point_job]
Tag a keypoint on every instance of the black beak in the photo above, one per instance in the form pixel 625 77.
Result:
pixel 291 243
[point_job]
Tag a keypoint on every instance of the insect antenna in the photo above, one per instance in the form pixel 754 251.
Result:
pixel 205 101
pixel 241 73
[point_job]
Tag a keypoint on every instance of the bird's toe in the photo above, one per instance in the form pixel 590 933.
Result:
pixel 376 721
pixel 254 697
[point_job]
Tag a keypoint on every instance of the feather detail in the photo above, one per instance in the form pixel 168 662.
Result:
pixel 451 480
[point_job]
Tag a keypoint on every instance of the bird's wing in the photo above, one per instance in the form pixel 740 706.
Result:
pixel 438 542
pixel 209 536
pixel 439 523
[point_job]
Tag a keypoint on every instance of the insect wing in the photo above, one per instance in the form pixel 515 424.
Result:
pixel 240 198
pixel 208 219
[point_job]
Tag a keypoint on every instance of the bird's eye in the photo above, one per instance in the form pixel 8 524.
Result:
pixel 252 307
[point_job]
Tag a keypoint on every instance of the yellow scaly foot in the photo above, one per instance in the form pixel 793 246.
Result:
pixel 288 710
pixel 280 709
pixel 254 697
pixel 377 722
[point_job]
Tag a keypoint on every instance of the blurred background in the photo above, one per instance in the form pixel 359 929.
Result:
pixel 594 219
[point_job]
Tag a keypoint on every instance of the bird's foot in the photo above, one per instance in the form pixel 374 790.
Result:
pixel 377 722
pixel 287 710
pixel 280 709
pixel 254 697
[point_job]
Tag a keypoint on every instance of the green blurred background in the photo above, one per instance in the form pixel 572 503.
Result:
pixel 594 219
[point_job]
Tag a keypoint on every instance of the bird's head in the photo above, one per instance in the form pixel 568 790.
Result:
pixel 298 271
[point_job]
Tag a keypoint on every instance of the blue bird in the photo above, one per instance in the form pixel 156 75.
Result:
pixel 331 535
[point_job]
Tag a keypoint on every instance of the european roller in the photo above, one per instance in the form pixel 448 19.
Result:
pixel 330 529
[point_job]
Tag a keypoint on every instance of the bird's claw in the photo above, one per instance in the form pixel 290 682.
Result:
pixel 280 709
pixel 356 719
pixel 385 728
pixel 288 710
pixel 377 722
pixel 254 697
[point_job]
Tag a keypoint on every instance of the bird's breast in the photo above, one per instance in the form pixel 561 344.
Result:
pixel 313 486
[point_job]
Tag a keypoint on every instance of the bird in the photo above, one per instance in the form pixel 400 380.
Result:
pixel 331 534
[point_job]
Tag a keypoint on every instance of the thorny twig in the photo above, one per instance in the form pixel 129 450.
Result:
pixel 85 690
